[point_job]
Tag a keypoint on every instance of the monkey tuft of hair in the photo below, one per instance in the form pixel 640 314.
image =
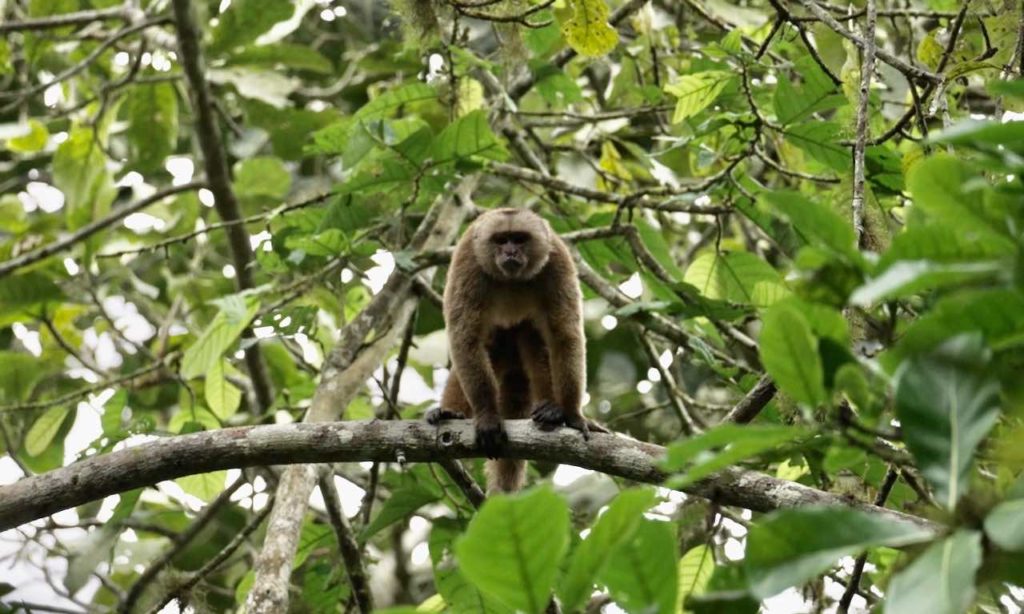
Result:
pixel 513 312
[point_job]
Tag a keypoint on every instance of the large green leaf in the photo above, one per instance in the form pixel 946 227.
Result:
pixel 514 547
pixel 821 141
pixel 733 442
pixel 80 171
pixel 816 224
pixel 262 176
pixel 942 243
pixel 244 20
pixel 402 502
pixel 984 135
pixel 816 92
pixel 468 136
pixel 283 54
pixel 736 277
pixel 789 353
pixel 226 326
pixel 906 278
pixel 696 92
pixel 946 189
pixel 790 547
pixel 152 112
pixel 458 593
pixel 1004 525
pixel 587 30
pixel 641 572
pixel 615 526
pixel 19 374
pixel 695 571
pixel 44 429
pixel 946 407
pixel 941 580
pixel 997 314
pixel 222 396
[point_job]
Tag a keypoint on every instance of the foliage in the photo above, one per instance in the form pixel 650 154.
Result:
pixel 711 143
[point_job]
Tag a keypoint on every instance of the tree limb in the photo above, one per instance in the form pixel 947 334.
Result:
pixel 382 440
pixel 219 175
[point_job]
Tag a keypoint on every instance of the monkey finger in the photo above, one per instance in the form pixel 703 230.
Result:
pixel 435 415
pixel 597 427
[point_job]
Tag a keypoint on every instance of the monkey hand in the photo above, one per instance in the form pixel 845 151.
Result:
pixel 548 416
pixel 435 415
pixel 490 434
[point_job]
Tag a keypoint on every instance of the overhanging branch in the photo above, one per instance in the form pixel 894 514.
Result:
pixel 379 440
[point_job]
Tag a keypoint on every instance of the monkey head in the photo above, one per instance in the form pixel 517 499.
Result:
pixel 511 244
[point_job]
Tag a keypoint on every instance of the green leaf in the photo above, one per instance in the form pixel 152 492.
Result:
pixel 816 92
pixel 402 502
pixel 696 92
pixel 789 353
pixel 262 177
pixel 221 395
pixel 736 277
pixel 1004 525
pixel 587 30
pixel 514 547
pixel 244 20
pixel 941 580
pixel 34 139
pixel 391 100
pixel 468 136
pixel 80 171
pixel 641 572
pixel 942 243
pixel 906 278
pixel 695 570
pixel 44 429
pixel 942 187
pixel 152 112
pixel 19 374
pixel 615 526
pixel 946 408
pixel 452 585
pixel 984 135
pixel 20 292
pixel 790 547
pixel 735 443
pixel 285 55
pixel 226 326
pixel 87 555
pixel 205 486
pixel 997 314
pixel 821 141
pixel 815 224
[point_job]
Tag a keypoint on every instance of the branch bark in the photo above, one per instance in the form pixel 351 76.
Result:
pixel 345 371
pixel 219 175
pixel 382 440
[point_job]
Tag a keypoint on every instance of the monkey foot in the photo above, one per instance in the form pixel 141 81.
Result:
pixel 490 436
pixel 435 415
pixel 548 416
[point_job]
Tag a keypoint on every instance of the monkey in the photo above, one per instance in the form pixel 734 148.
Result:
pixel 513 311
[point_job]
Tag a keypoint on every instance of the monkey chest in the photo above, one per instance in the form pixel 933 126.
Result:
pixel 507 308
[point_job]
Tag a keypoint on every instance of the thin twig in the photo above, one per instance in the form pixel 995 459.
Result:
pixel 883 493
pixel 351 554
pixel 9 266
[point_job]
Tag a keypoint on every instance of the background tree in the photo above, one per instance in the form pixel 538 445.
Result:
pixel 799 235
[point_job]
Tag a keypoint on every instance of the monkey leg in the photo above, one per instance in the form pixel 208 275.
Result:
pixel 454 405
pixel 506 474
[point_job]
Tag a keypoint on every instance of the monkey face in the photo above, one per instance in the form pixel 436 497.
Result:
pixel 511 244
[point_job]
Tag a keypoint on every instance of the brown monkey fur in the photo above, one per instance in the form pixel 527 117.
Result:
pixel 512 308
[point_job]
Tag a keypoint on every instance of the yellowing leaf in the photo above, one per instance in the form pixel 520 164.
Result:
pixel 588 31
pixel 221 395
pixel 33 140
pixel 470 98
pixel 611 163
pixel 206 486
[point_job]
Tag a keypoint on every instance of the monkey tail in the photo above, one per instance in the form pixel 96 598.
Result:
pixel 505 475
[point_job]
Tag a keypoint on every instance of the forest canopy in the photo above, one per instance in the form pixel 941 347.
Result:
pixel 225 227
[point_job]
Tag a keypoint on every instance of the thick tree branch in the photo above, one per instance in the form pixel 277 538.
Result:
pixel 219 175
pixel 382 440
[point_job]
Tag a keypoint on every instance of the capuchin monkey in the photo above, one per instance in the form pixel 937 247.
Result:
pixel 512 308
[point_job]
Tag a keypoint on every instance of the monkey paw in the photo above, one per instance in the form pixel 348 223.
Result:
pixel 435 415
pixel 548 416
pixel 491 436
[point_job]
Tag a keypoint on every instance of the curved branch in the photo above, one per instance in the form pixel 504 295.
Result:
pixel 383 440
